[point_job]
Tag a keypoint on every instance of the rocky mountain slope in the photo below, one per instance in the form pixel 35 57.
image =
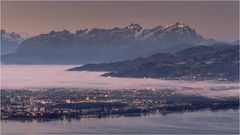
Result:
pixel 9 42
pixel 104 45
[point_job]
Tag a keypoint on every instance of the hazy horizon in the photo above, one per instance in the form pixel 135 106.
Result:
pixel 211 19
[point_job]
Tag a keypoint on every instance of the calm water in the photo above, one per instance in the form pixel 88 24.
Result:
pixel 37 77
pixel 189 122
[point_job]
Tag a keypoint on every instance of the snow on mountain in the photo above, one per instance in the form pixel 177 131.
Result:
pixel 91 45
pixel 150 34
pixel 174 33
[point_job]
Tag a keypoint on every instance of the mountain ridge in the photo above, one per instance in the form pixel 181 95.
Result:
pixel 104 45
pixel 215 62
pixel 10 41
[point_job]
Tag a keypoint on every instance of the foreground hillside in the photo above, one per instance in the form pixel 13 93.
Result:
pixel 220 61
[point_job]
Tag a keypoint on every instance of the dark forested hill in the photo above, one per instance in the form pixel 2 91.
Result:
pixel 219 61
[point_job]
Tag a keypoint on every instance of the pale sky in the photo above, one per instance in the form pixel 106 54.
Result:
pixel 211 19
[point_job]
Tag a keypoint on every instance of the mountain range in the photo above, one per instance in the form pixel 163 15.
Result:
pixel 9 42
pixel 103 45
pixel 214 62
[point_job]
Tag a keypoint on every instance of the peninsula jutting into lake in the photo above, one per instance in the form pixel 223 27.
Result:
pixel 215 62
pixel 119 67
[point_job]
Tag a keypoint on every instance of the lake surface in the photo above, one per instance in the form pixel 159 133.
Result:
pixel 223 121
pixel 55 76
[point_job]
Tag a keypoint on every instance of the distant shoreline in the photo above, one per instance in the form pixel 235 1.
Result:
pixel 121 115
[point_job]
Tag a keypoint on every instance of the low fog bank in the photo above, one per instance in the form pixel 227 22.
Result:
pixel 55 76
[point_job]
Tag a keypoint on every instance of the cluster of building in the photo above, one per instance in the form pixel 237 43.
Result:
pixel 75 103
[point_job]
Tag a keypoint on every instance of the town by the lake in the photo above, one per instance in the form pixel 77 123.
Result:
pixel 61 103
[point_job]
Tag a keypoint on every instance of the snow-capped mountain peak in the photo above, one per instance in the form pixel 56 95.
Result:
pixel 177 24
pixel 134 27
pixel 175 32
pixel 149 33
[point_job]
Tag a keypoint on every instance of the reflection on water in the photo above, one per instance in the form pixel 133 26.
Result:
pixel 39 76
pixel 223 121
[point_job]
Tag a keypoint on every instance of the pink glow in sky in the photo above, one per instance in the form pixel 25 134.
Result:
pixel 212 19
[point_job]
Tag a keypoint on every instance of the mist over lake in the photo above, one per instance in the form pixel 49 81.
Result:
pixel 149 67
pixel 55 76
